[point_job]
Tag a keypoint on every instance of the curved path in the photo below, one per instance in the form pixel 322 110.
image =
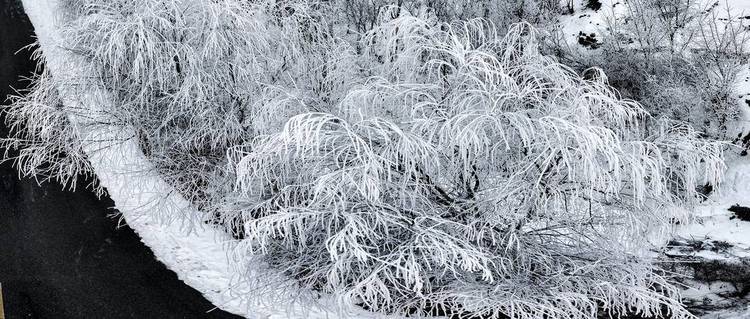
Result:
pixel 61 255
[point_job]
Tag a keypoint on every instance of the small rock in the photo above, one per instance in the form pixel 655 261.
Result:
pixel 741 212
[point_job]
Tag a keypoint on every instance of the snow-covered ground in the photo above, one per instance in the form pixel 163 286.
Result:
pixel 716 244
pixel 740 313
pixel 715 222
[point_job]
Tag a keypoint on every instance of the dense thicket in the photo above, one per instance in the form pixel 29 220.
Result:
pixel 398 157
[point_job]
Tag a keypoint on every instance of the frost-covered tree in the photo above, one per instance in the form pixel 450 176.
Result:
pixel 473 174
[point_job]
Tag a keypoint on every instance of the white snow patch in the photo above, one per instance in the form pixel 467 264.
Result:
pixel 713 220
pixel 730 314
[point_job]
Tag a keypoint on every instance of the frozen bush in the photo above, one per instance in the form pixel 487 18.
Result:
pixel 40 141
pixel 473 174
pixel 419 164
pixel 195 78
pixel 673 87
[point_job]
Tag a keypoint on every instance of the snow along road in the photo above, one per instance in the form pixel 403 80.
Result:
pixel 61 255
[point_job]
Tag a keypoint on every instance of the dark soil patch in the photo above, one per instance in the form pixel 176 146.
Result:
pixel 593 5
pixel 588 40
pixel 743 141
pixel 740 212
pixel 704 191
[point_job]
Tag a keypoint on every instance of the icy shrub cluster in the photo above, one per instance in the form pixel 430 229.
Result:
pixel 476 174
pixel 362 15
pixel 678 58
pixel 40 141
pixel 197 77
pixel 405 165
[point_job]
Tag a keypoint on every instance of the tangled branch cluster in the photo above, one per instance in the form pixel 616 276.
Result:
pixel 416 165
pixel 476 174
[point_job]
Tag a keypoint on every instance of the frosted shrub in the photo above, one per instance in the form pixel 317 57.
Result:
pixel 41 142
pixel 420 166
pixel 196 77
pixel 362 15
pixel 473 174
pixel 675 87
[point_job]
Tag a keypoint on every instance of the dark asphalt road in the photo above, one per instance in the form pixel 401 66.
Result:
pixel 61 256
